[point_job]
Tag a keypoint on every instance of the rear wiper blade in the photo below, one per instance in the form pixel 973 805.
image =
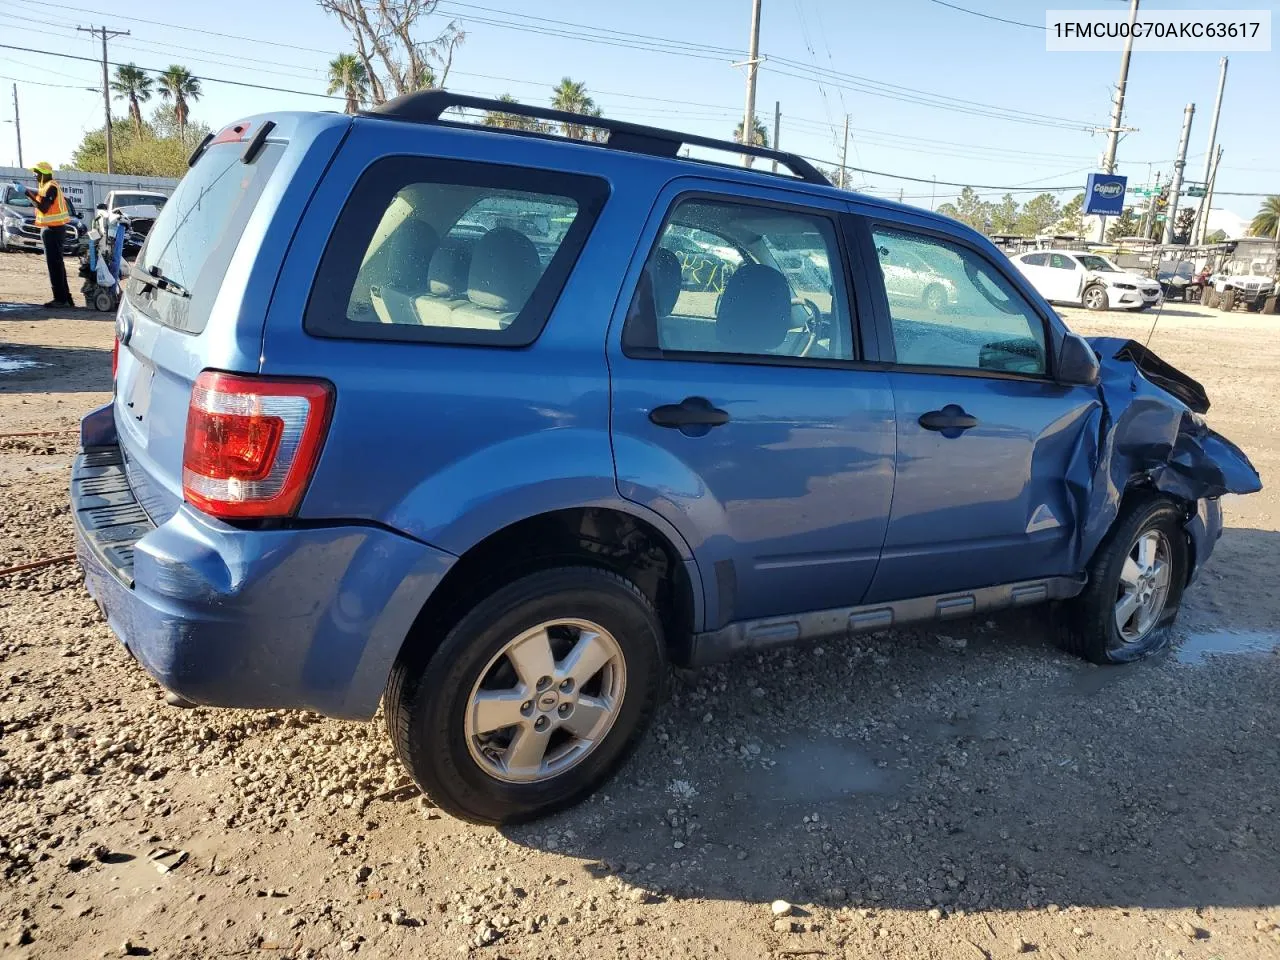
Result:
pixel 155 278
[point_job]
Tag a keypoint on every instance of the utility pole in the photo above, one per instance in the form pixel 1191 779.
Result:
pixel 1117 111
pixel 1206 202
pixel 753 59
pixel 933 192
pixel 17 125
pixel 1149 213
pixel 1175 188
pixel 1197 235
pixel 106 35
pixel 777 128
pixel 844 155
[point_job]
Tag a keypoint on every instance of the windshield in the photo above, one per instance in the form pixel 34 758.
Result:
pixel 139 200
pixel 1096 263
pixel 1259 270
pixel 18 199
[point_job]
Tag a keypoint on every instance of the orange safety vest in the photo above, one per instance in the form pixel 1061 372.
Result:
pixel 59 213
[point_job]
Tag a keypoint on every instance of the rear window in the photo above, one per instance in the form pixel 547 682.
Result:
pixel 450 252
pixel 196 233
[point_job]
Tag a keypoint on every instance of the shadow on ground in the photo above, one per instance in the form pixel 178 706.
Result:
pixel 980 769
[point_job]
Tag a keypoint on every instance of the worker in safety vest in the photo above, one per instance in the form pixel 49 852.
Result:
pixel 53 213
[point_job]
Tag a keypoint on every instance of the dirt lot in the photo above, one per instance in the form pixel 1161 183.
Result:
pixel 968 796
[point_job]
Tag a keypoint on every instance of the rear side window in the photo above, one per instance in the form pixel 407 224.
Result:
pixel 196 233
pixel 450 252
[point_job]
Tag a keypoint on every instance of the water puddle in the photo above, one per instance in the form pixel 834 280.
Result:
pixel 1195 648
pixel 807 771
pixel 10 364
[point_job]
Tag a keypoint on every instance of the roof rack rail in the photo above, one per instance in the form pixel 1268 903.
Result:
pixel 427 106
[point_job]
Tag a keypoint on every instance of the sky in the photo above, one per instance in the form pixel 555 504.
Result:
pixel 916 78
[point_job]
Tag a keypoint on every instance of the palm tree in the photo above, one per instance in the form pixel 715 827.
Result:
pixel 177 84
pixel 511 121
pixel 1267 222
pixel 348 76
pixel 571 96
pixel 759 134
pixel 133 84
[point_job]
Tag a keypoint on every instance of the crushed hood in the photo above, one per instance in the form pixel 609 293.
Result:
pixel 1148 430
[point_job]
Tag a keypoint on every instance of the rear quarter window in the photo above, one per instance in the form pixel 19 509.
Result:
pixel 197 231
pixel 445 251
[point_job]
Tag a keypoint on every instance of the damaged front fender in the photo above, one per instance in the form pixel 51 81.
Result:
pixel 1149 432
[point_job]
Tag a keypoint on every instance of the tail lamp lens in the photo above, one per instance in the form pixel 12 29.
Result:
pixel 252 443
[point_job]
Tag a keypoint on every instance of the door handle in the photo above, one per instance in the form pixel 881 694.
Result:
pixel 690 412
pixel 950 420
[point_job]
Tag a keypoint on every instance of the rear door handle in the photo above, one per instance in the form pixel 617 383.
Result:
pixel 951 420
pixel 690 412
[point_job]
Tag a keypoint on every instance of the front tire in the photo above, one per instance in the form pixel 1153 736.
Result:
pixel 1227 302
pixel 1095 297
pixel 533 699
pixel 1136 580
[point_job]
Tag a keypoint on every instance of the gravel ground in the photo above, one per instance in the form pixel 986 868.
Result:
pixel 970 795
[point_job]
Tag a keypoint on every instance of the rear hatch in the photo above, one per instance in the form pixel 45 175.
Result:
pixel 197 296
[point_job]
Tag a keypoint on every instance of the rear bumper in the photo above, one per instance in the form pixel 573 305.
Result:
pixel 310 618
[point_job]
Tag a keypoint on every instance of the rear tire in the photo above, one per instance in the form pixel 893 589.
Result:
pixel 1095 297
pixel 1089 625
pixel 473 770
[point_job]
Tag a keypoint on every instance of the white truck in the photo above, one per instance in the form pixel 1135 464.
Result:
pixel 138 210
pixel 1240 282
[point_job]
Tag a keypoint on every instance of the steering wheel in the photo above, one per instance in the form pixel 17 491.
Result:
pixel 814 323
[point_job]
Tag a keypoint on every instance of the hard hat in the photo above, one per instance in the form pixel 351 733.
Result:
pixel 43 168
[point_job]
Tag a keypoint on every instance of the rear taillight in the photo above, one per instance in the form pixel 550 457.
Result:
pixel 252 443
pixel 115 357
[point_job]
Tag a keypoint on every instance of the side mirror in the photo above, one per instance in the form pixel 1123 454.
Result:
pixel 102 206
pixel 1077 363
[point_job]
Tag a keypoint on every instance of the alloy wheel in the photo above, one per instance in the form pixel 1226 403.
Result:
pixel 545 701
pixel 1144 587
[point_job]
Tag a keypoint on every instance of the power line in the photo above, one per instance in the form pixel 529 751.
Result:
pixel 988 16
pixel 156 70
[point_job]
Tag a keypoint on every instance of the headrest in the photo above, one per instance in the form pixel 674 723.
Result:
pixel 666 281
pixel 409 251
pixel 504 270
pixel 450 268
pixel 755 310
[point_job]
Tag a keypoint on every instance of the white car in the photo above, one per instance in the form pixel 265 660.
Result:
pixel 1093 281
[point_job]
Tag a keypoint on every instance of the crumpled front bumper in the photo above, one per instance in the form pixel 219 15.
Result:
pixel 1149 432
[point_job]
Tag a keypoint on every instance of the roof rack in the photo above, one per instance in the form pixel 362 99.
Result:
pixel 426 106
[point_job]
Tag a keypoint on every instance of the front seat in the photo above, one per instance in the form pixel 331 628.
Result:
pixel 755 311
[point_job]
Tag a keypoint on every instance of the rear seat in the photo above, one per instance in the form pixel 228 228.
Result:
pixel 446 282
pixel 503 271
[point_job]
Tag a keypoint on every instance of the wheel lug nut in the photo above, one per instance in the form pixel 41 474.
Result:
pixel 526 707
pixel 544 682
pixel 566 709
pixel 566 685
pixel 540 723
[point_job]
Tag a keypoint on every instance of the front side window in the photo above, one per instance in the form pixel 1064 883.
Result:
pixel 734 278
pixel 451 252
pixel 1098 264
pixel 1062 262
pixel 965 315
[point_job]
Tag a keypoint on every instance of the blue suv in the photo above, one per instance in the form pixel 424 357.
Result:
pixel 489 426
